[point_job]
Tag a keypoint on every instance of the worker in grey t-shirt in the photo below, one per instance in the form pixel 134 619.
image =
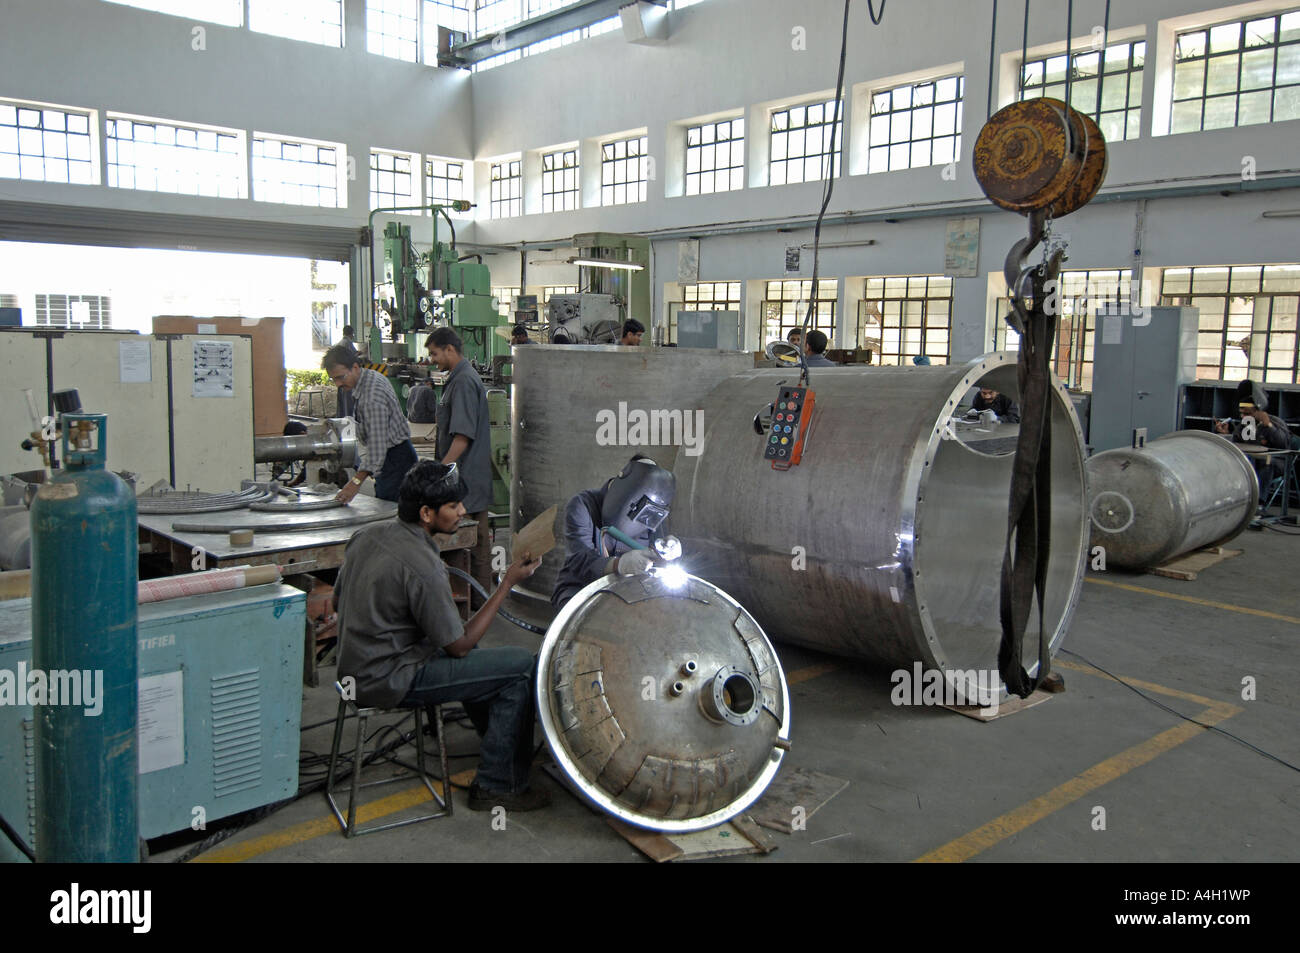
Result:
pixel 464 438
pixel 402 642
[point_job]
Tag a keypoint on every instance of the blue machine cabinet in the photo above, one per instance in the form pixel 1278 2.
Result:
pixel 220 684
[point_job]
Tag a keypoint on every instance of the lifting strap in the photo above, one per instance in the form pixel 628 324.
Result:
pixel 1028 544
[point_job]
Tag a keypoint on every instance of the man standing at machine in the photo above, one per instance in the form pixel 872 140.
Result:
pixel 634 505
pixel 387 452
pixel 632 331
pixel 402 640
pixel 464 438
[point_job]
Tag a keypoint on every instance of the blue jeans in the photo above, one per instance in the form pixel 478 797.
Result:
pixel 397 461
pixel 496 687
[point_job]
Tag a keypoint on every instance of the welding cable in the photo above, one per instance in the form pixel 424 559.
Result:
pixel 501 612
pixel 18 841
pixel 1172 711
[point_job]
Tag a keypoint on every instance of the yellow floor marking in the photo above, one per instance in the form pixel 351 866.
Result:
pixel 417 794
pixel 307 830
pixel 1015 821
pixel 812 671
pixel 1195 601
pixel 1136 682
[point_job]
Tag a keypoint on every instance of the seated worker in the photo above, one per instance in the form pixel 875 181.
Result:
pixel 519 335
pixel 632 331
pixel 387 452
pixel 422 404
pixel 1002 406
pixel 636 502
pixel 816 356
pixel 403 641
pixel 1269 431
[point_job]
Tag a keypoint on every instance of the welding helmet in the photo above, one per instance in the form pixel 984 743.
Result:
pixel 638 499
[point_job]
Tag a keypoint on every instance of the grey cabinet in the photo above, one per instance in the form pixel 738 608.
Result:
pixel 1140 365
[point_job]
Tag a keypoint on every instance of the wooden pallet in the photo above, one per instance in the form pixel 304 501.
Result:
pixel 739 836
pixel 1187 567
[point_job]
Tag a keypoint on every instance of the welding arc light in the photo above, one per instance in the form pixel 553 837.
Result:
pixel 674 576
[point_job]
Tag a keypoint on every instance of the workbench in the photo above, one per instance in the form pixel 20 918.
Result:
pixel 297 552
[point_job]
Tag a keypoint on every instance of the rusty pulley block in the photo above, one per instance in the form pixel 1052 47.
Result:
pixel 1040 155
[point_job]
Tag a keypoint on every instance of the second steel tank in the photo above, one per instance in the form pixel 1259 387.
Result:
pixel 1186 490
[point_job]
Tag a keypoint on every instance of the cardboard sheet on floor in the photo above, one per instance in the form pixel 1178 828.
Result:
pixel 739 836
pixel 800 788
pixel 1007 707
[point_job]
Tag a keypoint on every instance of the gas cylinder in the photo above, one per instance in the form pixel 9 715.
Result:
pixel 84 589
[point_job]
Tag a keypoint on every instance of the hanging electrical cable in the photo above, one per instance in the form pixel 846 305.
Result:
pixel 871 11
pixel 993 55
pixel 828 188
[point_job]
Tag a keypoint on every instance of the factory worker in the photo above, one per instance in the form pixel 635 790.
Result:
pixel 465 437
pixel 632 332
pixel 635 503
pixel 387 452
pixel 403 642
pixel 520 335
pixel 795 337
pixel 1269 431
pixel 1002 406
pixel 422 404
pixel 816 356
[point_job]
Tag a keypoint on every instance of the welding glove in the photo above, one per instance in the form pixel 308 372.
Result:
pixel 636 561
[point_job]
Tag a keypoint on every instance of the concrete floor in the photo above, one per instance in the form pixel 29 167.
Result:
pixel 928 782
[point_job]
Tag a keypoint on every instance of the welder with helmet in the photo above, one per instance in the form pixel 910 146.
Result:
pixel 598 523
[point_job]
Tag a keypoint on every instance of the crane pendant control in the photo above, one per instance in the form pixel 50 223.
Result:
pixel 791 418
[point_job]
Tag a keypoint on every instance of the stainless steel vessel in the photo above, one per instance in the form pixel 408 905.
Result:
pixel 663 701
pixel 1186 490
pixel 885 543
pixel 577 419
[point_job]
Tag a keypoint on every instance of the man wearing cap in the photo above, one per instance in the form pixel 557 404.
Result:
pixel 634 504
pixel 403 645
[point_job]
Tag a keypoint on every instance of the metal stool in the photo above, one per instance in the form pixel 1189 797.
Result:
pixel 349 826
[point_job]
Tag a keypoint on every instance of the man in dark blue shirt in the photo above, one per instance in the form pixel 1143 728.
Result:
pixel 636 503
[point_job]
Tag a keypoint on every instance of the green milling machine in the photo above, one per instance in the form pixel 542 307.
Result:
pixel 417 292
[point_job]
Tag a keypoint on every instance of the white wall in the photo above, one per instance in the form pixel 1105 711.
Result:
pixel 722 55
pixel 105 56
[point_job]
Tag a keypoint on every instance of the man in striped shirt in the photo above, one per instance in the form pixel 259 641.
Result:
pixel 387 452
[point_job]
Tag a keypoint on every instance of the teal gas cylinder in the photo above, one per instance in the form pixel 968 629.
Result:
pixel 84 593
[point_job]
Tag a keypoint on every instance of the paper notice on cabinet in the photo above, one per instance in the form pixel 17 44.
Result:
pixel 134 361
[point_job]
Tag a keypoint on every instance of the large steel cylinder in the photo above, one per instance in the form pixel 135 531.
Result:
pixel 580 412
pixel 1186 490
pixel 84 591
pixel 885 543
pixel 662 701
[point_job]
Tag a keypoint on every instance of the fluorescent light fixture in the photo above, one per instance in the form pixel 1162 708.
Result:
pixel 1282 213
pixel 607 263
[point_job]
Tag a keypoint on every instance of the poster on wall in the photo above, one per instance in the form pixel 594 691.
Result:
pixel 961 250
pixel 134 361
pixel 214 369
